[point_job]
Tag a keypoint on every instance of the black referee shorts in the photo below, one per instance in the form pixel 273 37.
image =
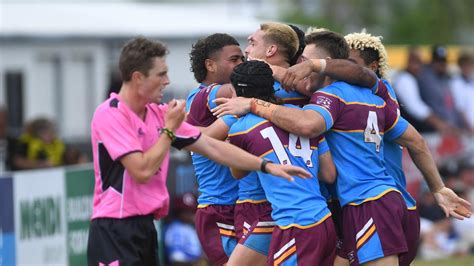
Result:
pixel 127 241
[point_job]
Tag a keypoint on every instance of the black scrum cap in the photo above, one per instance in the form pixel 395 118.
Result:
pixel 252 79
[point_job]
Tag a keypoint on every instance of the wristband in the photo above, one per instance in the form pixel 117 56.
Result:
pixel 168 132
pixel 262 108
pixel 322 65
pixel 263 165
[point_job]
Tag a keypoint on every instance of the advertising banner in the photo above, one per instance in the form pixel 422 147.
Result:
pixel 79 191
pixel 40 217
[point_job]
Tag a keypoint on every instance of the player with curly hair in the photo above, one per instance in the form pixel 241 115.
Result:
pixel 212 60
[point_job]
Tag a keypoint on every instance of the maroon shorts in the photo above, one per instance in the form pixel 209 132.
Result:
pixel 315 245
pixel 247 213
pixel 336 210
pixel 376 229
pixel 255 221
pixel 413 238
pixel 216 232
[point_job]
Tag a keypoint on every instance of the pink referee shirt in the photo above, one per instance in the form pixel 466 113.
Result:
pixel 115 132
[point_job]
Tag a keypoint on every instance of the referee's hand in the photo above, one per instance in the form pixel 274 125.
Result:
pixel 175 114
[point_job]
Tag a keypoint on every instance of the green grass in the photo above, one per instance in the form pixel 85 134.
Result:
pixel 460 261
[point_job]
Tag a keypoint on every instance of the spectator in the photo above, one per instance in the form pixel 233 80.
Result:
pixel 463 88
pixel 434 83
pixel 38 146
pixel 413 108
pixel 466 175
pixel 73 155
pixel 438 238
pixel 181 241
pixel 465 227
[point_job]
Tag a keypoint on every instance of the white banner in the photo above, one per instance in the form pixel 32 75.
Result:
pixel 40 220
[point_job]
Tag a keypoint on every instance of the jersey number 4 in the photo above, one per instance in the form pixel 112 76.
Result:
pixel 304 150
pixel 372 132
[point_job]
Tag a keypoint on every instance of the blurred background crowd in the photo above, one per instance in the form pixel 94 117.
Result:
pixel 44 67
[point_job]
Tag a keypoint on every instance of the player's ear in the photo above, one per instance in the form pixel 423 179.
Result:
pixel 374 65
pixel 137 77
pixel 271 50
pixel 210 65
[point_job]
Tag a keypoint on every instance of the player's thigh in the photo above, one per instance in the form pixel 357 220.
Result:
pixel 242 256
pixel 339 261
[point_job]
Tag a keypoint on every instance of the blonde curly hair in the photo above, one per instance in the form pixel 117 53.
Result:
pixel 363 40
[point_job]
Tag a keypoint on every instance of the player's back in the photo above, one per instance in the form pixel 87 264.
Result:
pixel 216 184
pixel 357 121
pixel 298 202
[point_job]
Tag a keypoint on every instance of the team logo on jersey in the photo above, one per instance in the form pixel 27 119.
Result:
pixel 323 101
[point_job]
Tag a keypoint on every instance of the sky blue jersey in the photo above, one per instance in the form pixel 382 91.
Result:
pixel 297 203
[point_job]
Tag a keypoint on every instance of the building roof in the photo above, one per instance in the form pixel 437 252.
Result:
pixel 123 20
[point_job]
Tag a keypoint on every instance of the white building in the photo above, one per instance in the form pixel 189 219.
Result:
pixel 56 59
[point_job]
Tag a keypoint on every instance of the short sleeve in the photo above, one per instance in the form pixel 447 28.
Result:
pixel 237 135
pixel 229 120
pixel 323 146
pixel 327 105
pixel 186 135
pixel 398 128
pixel 212 96
pixel 116 133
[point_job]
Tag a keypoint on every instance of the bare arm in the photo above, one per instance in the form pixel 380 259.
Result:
pixel 309 123
pixel 421 156
pixel 350 72
pixel 338 69
pixel 226 91
pixel 327 169
pixel 234 157
pixel 143 165
pixel 217 130
pixel 301 86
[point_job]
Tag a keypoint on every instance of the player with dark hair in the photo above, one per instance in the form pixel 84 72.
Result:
pixel 212 60
pixel 131 136
pixel 304 233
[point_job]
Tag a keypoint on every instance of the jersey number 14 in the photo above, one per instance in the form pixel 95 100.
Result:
pixel 303 151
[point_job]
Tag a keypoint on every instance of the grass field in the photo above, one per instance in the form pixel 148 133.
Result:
pixel 461 261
